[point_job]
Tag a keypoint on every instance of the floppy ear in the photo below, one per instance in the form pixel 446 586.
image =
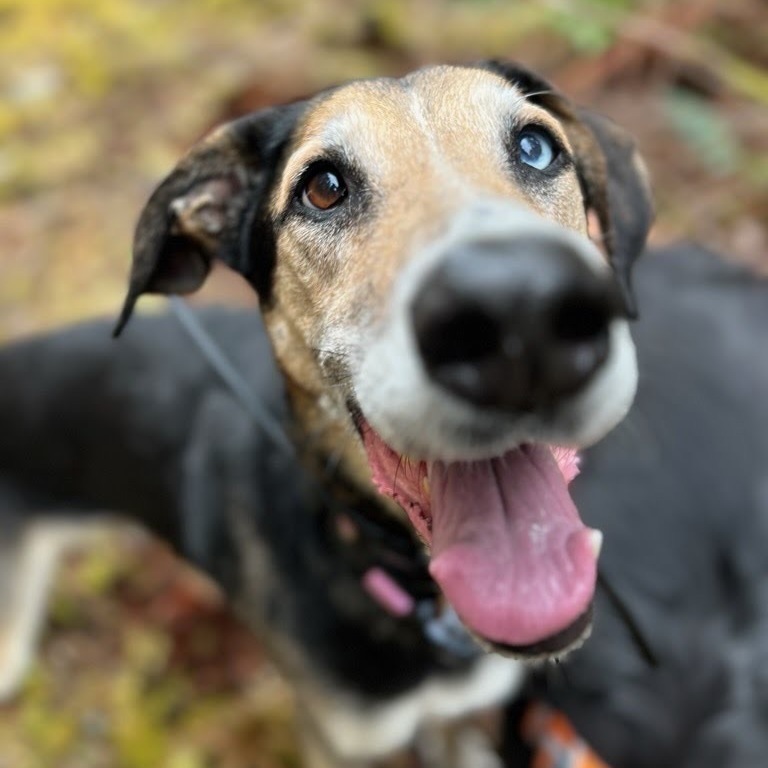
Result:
pixel 613 177
pixel 615 184
pixel 206 208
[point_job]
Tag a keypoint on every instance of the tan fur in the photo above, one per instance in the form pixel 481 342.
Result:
pixel 426 156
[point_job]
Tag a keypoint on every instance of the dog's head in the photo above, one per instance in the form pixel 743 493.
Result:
pixel 445 324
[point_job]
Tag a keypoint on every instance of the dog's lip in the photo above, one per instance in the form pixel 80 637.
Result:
pixel 559 643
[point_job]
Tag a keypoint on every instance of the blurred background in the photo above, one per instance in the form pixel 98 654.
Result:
pixel 143 666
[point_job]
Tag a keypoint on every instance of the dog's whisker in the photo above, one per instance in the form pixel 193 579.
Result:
pixel 627 617
pixel 545 92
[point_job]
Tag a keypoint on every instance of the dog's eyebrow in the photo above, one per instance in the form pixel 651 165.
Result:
pixel 333 154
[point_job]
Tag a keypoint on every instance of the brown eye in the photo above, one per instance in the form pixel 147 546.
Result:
pixel 323 189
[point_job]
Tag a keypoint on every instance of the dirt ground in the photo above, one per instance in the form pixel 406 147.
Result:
pixel 143 666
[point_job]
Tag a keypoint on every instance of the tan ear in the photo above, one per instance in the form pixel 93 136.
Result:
pixel 613 177
pixel 206 208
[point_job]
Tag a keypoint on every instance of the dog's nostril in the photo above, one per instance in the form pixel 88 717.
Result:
pixel 515 326
pixel 578 318
pixel 467 335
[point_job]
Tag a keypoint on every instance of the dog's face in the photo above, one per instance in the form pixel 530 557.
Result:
pixel 444 322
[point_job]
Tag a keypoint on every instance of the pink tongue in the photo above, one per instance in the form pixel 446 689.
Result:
pixel 508 548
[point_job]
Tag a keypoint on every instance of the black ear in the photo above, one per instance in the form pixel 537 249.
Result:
pixel 616 187
pixel 206 207
pixel 613 177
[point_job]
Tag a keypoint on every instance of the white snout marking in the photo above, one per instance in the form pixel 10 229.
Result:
pixel 420 419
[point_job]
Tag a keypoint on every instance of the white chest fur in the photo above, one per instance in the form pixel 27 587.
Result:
pixel 357 731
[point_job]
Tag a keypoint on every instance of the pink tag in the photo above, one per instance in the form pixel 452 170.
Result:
pixel 387 592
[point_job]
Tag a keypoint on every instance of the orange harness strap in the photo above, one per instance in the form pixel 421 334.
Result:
pixel 555 741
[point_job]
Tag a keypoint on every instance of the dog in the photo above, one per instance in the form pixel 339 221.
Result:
pixel 447 331
pixel 448 335
pixel 86 419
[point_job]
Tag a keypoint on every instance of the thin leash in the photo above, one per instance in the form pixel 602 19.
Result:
pixel 231 376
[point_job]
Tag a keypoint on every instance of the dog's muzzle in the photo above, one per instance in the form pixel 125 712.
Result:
pixel 514 324
pixel 504 349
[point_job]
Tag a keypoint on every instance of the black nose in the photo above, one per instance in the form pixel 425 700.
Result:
pixel 514 325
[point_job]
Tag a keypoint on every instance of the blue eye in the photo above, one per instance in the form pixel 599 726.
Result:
pixel 537 148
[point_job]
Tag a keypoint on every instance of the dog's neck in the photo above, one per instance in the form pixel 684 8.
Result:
pixel 328 443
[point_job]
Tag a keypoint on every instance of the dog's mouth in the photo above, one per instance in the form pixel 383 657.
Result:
pixel 508 548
